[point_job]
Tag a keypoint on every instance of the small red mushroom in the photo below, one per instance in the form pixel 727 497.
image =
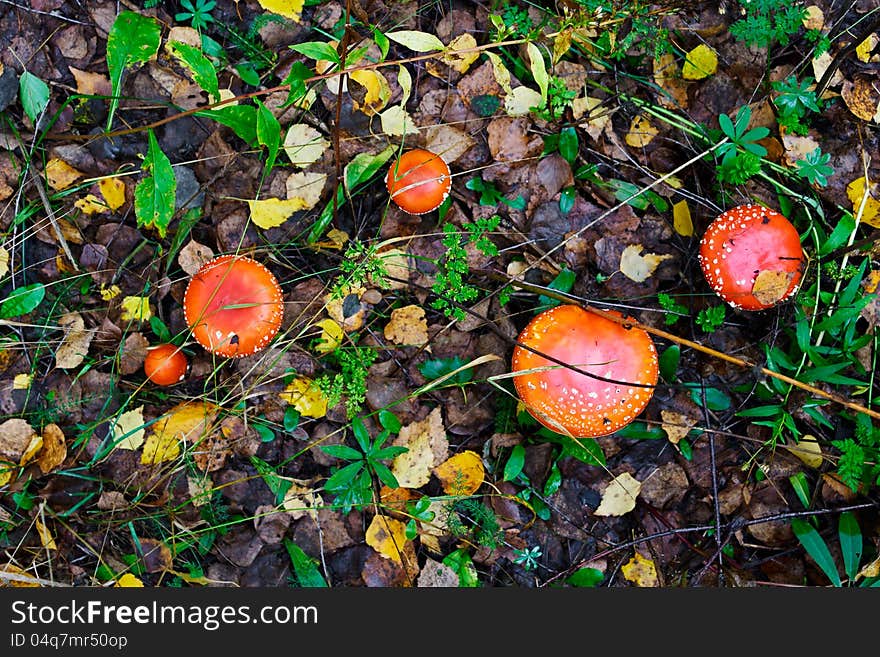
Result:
pixel 165 364
pixel 621 363
pixel 419 181
pixel 751 257
pixel 234 306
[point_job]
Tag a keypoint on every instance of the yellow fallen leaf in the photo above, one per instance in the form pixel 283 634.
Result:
pixel 667 76
pixel 60 175
pixel 301 500
pixel 46 538
pixel 128 580
pixel 4 262
pixel 111 292
pixel 378 91
pixel 427 447
pixel 16 435
pixel 866 47
pixel 814 18
pixel 22 381
pixel 31 451
pixel 641 132
pixel 860 96
pixel 24 580
pixel 91 204
pixel 808 450
pixel 637 267
pixel 128 430
pixel 54 449
pixel 136 309
pixel 291 9
pixel 499 71
pixel 331 336
pixel 188 421
pixel 415 40
pixel 75 345
pixel 461 474
pixel 681 219
pixel 856 191
pixel 701 62
pixel 407 326
pixel 870 570
pixel 640 571
pixel 306 187
pixel 304 145
pixel 619 497
pixel 113 191
pixel 7 469
pixel 520 100
pixel 387 536
pixel 397 122
pixel 676 425
pixel 271 212
pixel 771 287
pixel 455 58
pixel 306 397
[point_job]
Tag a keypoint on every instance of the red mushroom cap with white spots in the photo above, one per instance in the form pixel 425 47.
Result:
pixel 234 306
pixel 419 181
pixel 622 361
pixel 751 257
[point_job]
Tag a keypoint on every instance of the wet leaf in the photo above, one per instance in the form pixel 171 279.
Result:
pixel 619 497
pixel 462 474
pixel 387 536
pixel 640 571
pixel 407 326
pixel 639 267
pixel 701 62
pixel 75 345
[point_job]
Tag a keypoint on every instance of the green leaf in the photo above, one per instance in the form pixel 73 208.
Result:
pixel 585 577
pixel 133 39
pixel 385 475
pixel 202 69
pixel 641 431
pixel 304 567
pixel 460 561
pixel 160 329
pixel 154 194
pixel 850 543
pixel 539 70
pixel 248 73
pixel 388 452
pixel 241 118
pixel 268 135
pixel 435 368
pixel 801 488
pixel 389 420
pixel 296 78
pixel 317 50
pixel 342 452
pixel 669 360
pixel 361 435
pixel 34 94
pixel 563 282
pixel 291 419
pixel 344 475
pixel 515 463
pixel 22 300
pixel 839 236
pixel 568 144
pixel 364 166
pixel 815 546
pixel 567 198
pixel 381 41
pixel 715 400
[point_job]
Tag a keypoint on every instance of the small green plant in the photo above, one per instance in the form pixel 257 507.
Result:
pixel 709 319
pixel 350 382
pixel 741 155
pixel 469 518
pixel 558 98
pixel 353 484
pixel 768 22
pixel 198 14
pixel 491 196
pixel 814 167
pixel 528 557
pixel 794 100
pixel 674 310
pixel 849 536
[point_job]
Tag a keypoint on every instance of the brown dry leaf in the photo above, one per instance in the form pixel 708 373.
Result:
pixel 619 497
pixel 641 132
pixel 771 286
pixel 128 430
pixel 133 353
pixel 681 219
pixel 337 307
pixel 387 536
pixel 436 575
pixel 46 538
pixel 814 18
pixel 449 142
pixel 856 192
pixel 820 65
pixel 301 500
pixel 75 345
pixel 4 262
pixel 188 421
pixel 641 571
pixel 861 98
pixel 597 121
pixel 193 255
pixel 22 579
pixel 427 447
pixel 870 570
pixel 797 147
pixel 306 397
pixel 15 437
pixel 676 425
pixel 305 187
pixel 112 500
pixel 808 450
pixel 461 474
pixel 407 326
pixel 91 84
pixel 54 449
pixel 637 267
pixel 667 76
pixel 60 175
pixel 155 555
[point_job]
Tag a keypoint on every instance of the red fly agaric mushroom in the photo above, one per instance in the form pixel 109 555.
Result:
pixel 620 365
pixel 419 181
pixel 233 305
pixel 165 364
pixel 751 257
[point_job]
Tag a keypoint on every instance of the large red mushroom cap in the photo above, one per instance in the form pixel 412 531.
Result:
pixel 751 257
pixel 419 181
pixel 622 361
pixel 234 306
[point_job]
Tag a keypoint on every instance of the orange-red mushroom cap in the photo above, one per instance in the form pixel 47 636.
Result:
pixel 165 365
pixel 751 257
pixel 419 181
pixel 622 361
pixel 234 306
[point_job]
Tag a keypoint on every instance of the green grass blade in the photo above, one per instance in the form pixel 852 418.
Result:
pixel 850 544
pixel 815 546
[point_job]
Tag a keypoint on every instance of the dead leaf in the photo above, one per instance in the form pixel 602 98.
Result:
pixel 31 451
pixel 113 191
pixel 200 489
pixel 454 56
pixel 54 449
pixel 129 581
pixel 640 571
pixel 304 145
pixel 397 122
pixel 306 397
pixel 637 267
pixel 427 447
pixel 133 353
pixel 856 191
pixel 378 91
pixel 449 142
pixel 667 76
pixel 396 263
pixel 91 84
pixel 771 286
pixel 814 18
pixel 435 574
pixel 331 336
pixel 301 500
pixel 135 309
pixel 4 262
pixel 861 98
pixel 461 474
pixel 291 9
pixel 407 326
pixel 15 436
pixel 641 132
pixel 797 147
pixel 701 62
pixel 272 212
pixel 193 255
pixel 155 555
pixel 807 449
pixel 188 421
pixel 91 204
pixel 820 65
pixel 128 430
pixel 60 175
pixel 676 425
pixel 22 580
pixel 387 536
pixel 305 187
pixel 681 219
pixel 866 47
pixel 22 381
pixel 46 538
pixel 75 345
pixel 619 497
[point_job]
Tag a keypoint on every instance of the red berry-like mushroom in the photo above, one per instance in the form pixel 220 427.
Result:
pixel 751 257
pixel 419 181
pixel 620 362
pixel 234 306
pixel 165 364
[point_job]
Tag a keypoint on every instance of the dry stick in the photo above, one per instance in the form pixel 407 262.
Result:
pixel 660 333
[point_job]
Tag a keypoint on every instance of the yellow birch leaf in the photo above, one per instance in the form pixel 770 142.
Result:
pixel 60 175
pixel 378 90
pixel 54 449
pixel 619 497
pixel 22 381
pixel 7 469
pixel 12 569
pixel 701 62
pixel 291 9
pixel 866 47
pixel 681 219
pixel 640 571
pixel 407 326
pixel 561 45
pixel 770 286
pixel 306 397
pixel 75 345
pixel 667 76
pixel 641 132
pixel 304 145
pixel 306 187
pixel 331 336
pixel 807 449
pixel 461 474
pixel 637 267
pixel 188 421
pixel 427 447
pixel 91 204
pixel 136 309
pixel 108 293
pixel 160 447
pixel 461 61
pixel 271 212
pixel 31 451
pixel 128 430
pixel 387 536
pixel 46 538
pixel 128 581
pixel 4 262
pixel 856 191
pixel 397 122
pixel 113 191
